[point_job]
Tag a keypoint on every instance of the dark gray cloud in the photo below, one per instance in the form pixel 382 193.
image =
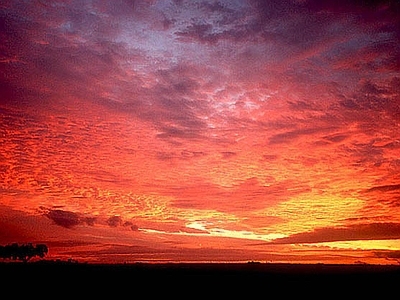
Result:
pixel 63 218
pixel 69 219
pixel 114 221
pixel 373 231
pixel 384 188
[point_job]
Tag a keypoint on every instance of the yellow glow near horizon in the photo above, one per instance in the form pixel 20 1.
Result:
pixel 241 234
pixel 392 245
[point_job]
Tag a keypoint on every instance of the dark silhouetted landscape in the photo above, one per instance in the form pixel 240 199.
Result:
pixel 206 275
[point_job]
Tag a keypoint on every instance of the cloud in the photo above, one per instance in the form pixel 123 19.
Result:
pixel 384 188
pixel 251 103
pixel 290 136
pixel 212 22
pixel 25 227
pixel 228 154
pixel 373 231
pixel 395 255
pixel 63 218
pixel 64 53
pixel 134 228
pixel 90 220
pixel 336 138
pixel 114 221
pixel 80 56
pixel 241 198
pixel 388 194
pixel 182 155
pixel 374 97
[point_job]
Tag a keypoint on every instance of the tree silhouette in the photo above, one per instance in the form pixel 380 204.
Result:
pixel 23 252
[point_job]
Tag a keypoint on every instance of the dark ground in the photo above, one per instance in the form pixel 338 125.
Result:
pixel 201 279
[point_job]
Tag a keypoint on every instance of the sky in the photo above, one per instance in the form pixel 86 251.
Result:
pixel 201 131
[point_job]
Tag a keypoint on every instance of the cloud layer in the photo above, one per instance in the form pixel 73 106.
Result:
pixel 250 119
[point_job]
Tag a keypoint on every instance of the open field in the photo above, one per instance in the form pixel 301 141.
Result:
pixel 203 272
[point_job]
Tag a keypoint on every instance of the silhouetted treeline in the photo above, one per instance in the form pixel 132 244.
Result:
pixel 23 252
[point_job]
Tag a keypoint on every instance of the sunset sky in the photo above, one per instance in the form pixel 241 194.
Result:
pixel 210 131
